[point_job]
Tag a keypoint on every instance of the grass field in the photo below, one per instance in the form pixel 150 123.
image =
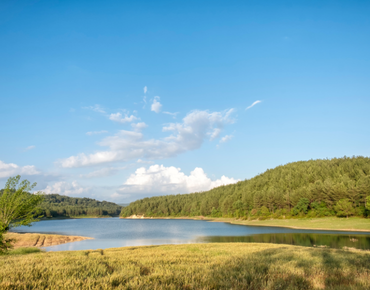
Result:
pixel 192 266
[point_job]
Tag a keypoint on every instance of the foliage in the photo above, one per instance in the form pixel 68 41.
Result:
pixel 367 202
pixel 284 191
pixel 195 266
pixel 344 208
pixel 18 206
pixel 55 205
pixel 5 244
pixel 301 206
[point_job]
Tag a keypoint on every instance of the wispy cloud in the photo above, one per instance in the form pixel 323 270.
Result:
pixel 117 117
pixel 156 105
pixel 95 108
pixel 144 101
pixel 107 171
pixel 171 114
pixel 138 126
pixel 145 89
pixel 29 148
pixel 188 135
pixel 96 132
pixel 255 103
pixel 226 138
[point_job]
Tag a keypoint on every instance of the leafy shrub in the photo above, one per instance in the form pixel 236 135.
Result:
pixel 301 207
pixel 344 208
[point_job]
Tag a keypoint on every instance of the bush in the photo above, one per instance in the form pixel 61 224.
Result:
pixel 344 208
pixel 301 207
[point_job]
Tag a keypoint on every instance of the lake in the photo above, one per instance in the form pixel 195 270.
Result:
pixel 116 232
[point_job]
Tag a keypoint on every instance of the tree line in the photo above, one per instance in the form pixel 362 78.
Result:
pixel 55 205
pixel 314 188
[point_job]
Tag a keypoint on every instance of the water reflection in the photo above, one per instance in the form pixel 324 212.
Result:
pixel 115 232
pixel 299 239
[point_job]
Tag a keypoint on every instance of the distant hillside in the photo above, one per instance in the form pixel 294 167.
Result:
pixel 305 188
pixel 56 205
pixel 123 204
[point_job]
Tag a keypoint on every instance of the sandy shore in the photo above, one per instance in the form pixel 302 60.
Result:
pixel 41 240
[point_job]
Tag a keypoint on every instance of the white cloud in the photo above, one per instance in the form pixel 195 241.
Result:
pixel 29 148
pixel 139 126
pixel 11 169
pixel 96 132
pixel 226 138
pixel 145 89
pixel 95 108
pixel 160 179
pixel 255 103
pixel 65 188
pixel 197 126
pixel 117 117
pixel 156 105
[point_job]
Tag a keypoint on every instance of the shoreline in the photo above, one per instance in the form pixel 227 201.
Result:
pixel 39 240
pixel 272 222
pixel 76 217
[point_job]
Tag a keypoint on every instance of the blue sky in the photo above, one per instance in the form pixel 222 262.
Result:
pixel 121 100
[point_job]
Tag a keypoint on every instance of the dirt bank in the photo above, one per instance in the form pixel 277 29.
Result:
pixel 41 240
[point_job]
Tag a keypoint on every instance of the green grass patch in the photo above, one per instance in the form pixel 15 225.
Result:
pixel 211 266
pixel 24 251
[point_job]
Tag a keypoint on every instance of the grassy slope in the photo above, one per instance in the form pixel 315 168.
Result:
pixel 328 223
pixel 196 266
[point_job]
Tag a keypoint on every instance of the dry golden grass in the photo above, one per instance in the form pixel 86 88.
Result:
pixel 193 266
pixel 41 240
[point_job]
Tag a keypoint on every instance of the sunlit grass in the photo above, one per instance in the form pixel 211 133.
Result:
pixel 329 223
pixel 193 266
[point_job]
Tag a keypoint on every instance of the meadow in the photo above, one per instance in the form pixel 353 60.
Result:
pixel 191 266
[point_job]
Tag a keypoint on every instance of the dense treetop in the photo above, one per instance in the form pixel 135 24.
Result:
pixel 301 188
pixel 55 205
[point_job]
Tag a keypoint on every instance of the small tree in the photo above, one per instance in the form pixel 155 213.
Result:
pixel 367 202
pixel 301 206
pixel 344 208
pixel 18 207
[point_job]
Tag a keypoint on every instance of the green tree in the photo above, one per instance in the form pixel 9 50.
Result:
pixel 367 202
pixel 344 208
pixel 301 206
pixel 18 207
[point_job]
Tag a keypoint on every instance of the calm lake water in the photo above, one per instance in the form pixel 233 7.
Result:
pixel 116 232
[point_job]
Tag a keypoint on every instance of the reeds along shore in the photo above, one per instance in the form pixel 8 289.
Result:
pixel 195 266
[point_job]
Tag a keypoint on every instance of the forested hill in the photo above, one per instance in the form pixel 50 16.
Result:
pixel 55 205
pixel 306 188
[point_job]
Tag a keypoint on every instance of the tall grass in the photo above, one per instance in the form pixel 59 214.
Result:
pixel 24 251
pixel 193 266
